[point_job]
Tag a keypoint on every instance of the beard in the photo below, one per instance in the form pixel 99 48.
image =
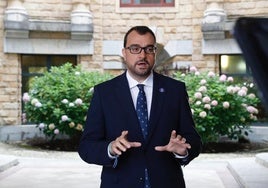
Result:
pixel 140 70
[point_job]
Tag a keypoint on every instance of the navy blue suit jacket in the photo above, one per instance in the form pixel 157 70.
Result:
pixel 112 111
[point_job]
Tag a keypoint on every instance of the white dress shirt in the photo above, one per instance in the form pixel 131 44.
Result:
pixel 148 89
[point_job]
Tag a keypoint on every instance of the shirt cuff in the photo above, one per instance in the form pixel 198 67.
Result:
pixel 114 157
pixel 181 156
pixel 109 153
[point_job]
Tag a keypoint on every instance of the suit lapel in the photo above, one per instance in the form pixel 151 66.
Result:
pixel 159 92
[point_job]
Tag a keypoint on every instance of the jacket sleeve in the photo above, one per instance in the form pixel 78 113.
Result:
pixel 187 129
pixel 93 145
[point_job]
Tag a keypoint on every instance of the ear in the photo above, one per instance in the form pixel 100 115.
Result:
pixel 124 53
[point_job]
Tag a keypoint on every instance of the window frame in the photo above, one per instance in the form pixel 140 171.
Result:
pixel 143 9
pixel 161 4
pixel 48 65
pixel 246 74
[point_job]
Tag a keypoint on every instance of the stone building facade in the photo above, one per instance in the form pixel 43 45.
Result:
pixel 192 32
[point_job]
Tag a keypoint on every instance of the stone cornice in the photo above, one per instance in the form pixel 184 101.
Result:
pixel 18 25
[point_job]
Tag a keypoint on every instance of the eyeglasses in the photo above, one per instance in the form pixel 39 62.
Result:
pixel 134 49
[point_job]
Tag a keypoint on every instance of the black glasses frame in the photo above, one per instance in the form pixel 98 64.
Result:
pixel 134 49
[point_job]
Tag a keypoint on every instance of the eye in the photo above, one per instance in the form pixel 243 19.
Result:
pixel 135 48
pixel 150 49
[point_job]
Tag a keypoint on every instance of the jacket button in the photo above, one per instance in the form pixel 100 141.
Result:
pixel 141 179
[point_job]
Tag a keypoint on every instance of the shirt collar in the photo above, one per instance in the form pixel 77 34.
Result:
pixel 133 83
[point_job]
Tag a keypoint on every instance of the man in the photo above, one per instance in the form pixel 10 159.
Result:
pixel 146 153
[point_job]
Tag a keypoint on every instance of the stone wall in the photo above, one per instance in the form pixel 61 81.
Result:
pixel 10 82
pixel 178 29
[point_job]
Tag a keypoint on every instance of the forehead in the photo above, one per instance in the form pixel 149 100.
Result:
pixel 143 40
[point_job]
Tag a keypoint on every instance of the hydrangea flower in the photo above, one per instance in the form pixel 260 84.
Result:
pixel 207 106
pixel 56 131
pixel 198 95
pixel 230 79
pixel 242 92
pixel 41 125
pixel 214 103
pixel 203 82
pixel 223 78
pixel 64 118
pixel 65 101
pixel 203 89
pixel 38 104
pixel 226 104
pixel 211 74
pixel 78 101
pixel 203 114
pixel 51 126
pixel 26 97
pixel 34 101
pixel 206 99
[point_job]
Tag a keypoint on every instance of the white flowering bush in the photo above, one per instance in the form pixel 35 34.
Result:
pixel 220 106
pixel 58 101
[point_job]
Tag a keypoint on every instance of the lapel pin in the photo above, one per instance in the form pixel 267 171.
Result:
pixel 161 90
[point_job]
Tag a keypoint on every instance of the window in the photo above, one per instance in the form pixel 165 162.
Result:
pixel 147 3
pixel 233 65
pixel 37 65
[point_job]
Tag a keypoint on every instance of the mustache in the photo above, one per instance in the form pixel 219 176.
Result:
pixel 142 61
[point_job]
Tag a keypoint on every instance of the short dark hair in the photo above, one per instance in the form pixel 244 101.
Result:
pixel 142 30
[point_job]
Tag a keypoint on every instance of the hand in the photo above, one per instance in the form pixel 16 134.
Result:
pixel 121 144
pixel 177 144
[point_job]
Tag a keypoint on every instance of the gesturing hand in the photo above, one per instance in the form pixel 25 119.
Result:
pixel 177 144
pixel 121 144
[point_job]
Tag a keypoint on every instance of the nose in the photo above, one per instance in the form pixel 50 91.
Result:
pixel 143 53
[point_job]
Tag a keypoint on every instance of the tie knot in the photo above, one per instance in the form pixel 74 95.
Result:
pixel 141 87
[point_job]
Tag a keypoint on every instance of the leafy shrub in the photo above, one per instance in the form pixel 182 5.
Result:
pixel 219 106
pixel 58 101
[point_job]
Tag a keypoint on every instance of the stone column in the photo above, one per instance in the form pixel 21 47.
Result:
pixel 213 24
pixel 214 13
pixel 16 19
pixel 81 21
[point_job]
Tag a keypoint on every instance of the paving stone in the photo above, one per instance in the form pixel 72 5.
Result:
pixel 249 173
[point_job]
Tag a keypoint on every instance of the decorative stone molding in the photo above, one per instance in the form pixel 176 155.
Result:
pixel 213 24
pixel 81 21
pixel 17 26
pixel 16 20
pixel 225 46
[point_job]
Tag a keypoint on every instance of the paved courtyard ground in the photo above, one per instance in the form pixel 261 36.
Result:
pixel 57 169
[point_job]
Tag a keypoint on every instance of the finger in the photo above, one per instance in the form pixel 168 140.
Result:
pixel 117 151
pixel 188 146
pixel 173 134
pixel 160 148
pixel 135 144
pixel 119 148
pixel 123 139
pixel 124 143
pixel 183 140
pixel 179 137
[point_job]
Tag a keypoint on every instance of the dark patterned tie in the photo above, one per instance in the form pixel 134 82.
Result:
pixel 142 113
pixel 141 108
